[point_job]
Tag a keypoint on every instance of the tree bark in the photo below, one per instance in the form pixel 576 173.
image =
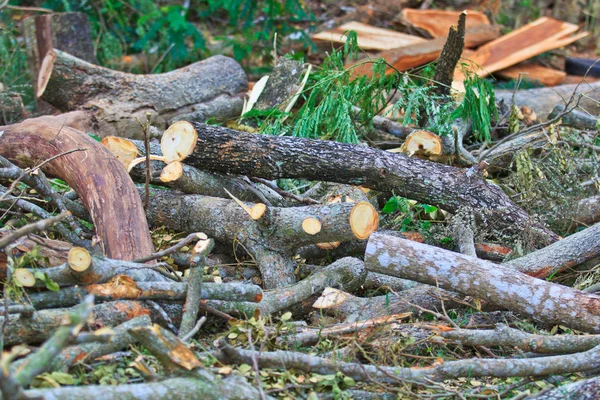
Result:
pixel 208 88
pixel 546 302
pixel 225 150
pixel 96 175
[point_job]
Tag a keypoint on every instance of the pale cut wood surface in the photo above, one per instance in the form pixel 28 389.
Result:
pixel 438 22
pixel 369 37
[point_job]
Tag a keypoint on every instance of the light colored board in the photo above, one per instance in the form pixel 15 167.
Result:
pixel 438 22
pixel 419 54
pixel 530 40
pixel 533 72
pixel 369 37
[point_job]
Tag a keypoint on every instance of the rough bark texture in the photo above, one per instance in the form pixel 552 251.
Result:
pixel 346 274
pixel 582 390
pixel 271 240
pixel 209 88
pixel 574 250
pixel 444 70
pixel 122 289
pixel 169 389
pixel 39 327
pixel 546 302
pixel 225 150
pixel 96 175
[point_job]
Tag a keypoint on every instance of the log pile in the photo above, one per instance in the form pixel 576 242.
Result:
pixel 91 283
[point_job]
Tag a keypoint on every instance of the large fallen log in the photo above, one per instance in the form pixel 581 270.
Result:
pixel 209 88
pixel 498 285
pixel 543 100
pixel 273 238
pixel 225 150
pixel 101 182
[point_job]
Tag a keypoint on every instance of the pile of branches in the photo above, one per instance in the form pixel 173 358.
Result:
pixel 316 253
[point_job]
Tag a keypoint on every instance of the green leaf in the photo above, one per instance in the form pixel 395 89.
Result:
pixel 63 378
pixel 391 205
pixel 429 209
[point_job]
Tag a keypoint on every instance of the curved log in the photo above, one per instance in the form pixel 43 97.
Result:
pixel 97 176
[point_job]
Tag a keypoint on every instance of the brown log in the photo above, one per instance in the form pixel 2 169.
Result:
pixel 206 88
pixel 498 285
pixel 533 72
pixel 438 22
pixel 99 179
pixel 225 150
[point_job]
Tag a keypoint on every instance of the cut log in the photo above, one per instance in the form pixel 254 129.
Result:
pixel 421 143
pixel 273 157
pixel 369 37
pixel 98 178
pixel 418 54
pixel 533 72
pixel 438 22
pixel 206 88
pixel 272 240
pixel 537 37
pixel 498 285
pixel 23 277
pixel 79 259
pixel 68 32
pixel 123 149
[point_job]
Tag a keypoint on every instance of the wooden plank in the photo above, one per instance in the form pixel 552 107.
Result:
pixel 419 54
pixel 530 40
pixel 369 37
pixel 438 22
pixel 533 72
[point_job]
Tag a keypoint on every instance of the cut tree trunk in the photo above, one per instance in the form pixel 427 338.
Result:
pixel 271 240
pixel 209 88
pixel 98 178
pixel 498 285
pixel 225 150
pixel 577 249
pixel 68 32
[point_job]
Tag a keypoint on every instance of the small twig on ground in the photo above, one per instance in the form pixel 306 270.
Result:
pixel 183 242
pixel 284 193
pixel 145 129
